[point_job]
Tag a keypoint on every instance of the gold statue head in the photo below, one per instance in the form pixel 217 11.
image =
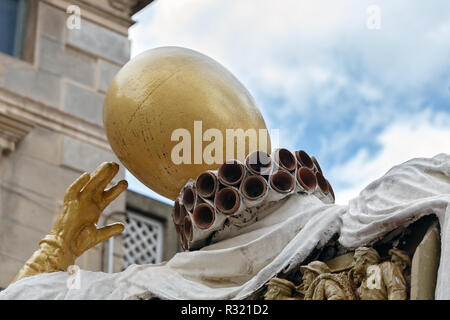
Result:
pixel 363 258
pixel 173 102
pixel 317 267
pixel 400 258
pixel 279 289
pixel 312 270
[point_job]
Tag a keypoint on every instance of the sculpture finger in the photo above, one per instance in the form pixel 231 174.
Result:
pixel 100 177
pixel 112 193
pixel 74 189
pixel 109 176
pixel 109 231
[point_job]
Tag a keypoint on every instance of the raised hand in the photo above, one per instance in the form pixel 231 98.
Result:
pixel 75 229
pixel 84 201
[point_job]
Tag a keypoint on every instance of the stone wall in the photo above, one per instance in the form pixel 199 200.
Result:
pixel 56 100
pixel 72 68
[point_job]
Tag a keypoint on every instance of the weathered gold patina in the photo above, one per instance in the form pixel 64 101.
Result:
pixel 165 89
pixel 75 229
pixel 329 286
pixel 280 289
pixel 365 278
pixel 378 281
pixel 320 284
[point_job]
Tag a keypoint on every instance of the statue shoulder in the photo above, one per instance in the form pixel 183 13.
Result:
pixel 389 268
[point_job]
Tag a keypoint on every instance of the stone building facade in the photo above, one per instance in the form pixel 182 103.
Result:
pixel 53 78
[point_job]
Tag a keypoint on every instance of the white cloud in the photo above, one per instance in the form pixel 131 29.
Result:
pixel 423 135
pixel 250 35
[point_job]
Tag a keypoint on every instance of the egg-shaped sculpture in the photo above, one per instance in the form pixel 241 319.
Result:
pixel 158 111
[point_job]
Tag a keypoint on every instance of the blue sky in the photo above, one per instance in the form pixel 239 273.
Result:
pixel 361 100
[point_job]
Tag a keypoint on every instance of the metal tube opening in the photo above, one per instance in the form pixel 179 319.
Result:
pixel 285 159
pixel 206 184
pixel 231 173
pixel 253 187
pixel 322 182
pixel 189 198
pixel 179 212
pixel 259 162
pixel 304 159
pixel 282 181
pixel 204 216
pixel 306 178
pixel 227 200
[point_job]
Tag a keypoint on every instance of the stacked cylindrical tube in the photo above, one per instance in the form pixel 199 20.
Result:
pixel 219 203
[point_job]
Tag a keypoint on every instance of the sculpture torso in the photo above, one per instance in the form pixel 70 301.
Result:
pixel 383 282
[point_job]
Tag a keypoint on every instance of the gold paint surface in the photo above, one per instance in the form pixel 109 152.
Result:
pixel 341 263
pixel 75 229
pixel 165 89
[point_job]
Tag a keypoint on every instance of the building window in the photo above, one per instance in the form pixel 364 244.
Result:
pixel 142 241
pixel 13 15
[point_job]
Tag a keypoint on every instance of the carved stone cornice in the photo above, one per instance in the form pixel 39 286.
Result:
pixel 123 5
pixel 12 130
pixel 18 114
pixel 100 12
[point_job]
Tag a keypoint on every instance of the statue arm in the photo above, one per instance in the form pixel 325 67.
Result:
pixel 333 292
pixel 75 229
pixel 394 281
pixel 50 257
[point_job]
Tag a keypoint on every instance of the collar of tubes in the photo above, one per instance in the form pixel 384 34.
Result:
pixel 219 203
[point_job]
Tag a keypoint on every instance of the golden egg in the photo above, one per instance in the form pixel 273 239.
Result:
pixel 170 90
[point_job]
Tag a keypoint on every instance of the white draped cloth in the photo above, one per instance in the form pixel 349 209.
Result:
pixel 237 267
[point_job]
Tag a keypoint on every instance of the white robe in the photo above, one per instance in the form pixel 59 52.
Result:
pixel 235 268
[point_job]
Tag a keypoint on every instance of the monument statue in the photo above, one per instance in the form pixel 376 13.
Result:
pixel 402 260
pixel 366 280
pixel 279 289
pixel 242 219
pixel 325 285
pixel 378 281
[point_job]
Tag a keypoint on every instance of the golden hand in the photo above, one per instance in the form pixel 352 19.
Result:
pixel 75 229
pixel 84 201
